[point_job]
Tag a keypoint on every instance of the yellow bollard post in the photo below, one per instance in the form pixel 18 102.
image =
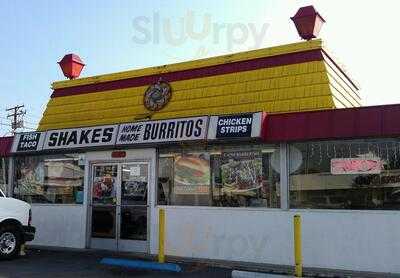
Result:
pixel 298 260
pixel 161 236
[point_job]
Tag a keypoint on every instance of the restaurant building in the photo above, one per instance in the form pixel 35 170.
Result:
pixel 231 147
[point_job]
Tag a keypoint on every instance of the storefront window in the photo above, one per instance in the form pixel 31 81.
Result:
pixel 353 174
pixel 3 174
pixel 245 179
pixel 228 177
pixel 56 179
pixel 184 180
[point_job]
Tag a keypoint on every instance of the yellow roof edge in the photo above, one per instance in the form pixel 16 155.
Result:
pixel 240 56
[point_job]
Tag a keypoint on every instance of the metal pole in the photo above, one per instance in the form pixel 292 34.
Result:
pixel 4 175
pixel 284 176
pixel 297 246
pixel 11 174
pixel 161 236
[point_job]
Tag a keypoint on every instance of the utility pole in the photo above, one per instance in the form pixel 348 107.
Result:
pixel 17 117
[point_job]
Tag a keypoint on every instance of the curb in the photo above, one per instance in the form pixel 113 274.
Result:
pixel 248 274
pixel 141 264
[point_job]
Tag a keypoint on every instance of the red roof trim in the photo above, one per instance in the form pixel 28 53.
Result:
pixel 362 122
pixel 265 62
pixel 5 146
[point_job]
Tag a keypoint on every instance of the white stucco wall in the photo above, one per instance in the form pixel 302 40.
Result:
pixel 337 239
pixel 347 240
pixel 59 225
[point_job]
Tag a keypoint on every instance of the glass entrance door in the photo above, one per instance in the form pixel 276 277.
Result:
pixel 134 206
pixel 119 206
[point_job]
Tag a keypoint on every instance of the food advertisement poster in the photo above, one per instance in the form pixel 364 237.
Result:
pixel 31 177
pixel 192 174
pixel 241 171
pixel 104 190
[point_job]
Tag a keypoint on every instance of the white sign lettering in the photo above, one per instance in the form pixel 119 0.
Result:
pixel 235 126
pixel 28 142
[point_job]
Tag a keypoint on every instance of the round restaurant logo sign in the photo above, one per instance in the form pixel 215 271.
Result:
pixel 157 96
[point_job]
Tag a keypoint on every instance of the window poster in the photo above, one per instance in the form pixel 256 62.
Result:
pixel 345 166
pixel 192 174
pixel 241 171
pixel 134 184
pixel 104 190
pixel 30 178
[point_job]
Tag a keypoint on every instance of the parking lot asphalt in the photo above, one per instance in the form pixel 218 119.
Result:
pixel 60 264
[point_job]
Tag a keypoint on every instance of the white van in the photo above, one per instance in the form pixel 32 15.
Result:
pixel 15 226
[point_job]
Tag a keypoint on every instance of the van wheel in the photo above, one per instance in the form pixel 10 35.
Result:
pixel 10 242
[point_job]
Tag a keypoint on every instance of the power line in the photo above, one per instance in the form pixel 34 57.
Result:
pixel 34 116
pixel 31 123
pixel 17 117
pixel 28 115
pixel 27 126
pixel 30 128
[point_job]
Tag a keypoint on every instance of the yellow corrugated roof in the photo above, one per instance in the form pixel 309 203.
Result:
pixel 229 58
pixel 311 85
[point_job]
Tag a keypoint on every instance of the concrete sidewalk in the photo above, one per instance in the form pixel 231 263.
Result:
pixel 41 263
pixel 62 262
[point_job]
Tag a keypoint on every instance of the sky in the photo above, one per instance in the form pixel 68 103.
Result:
pixel 112 36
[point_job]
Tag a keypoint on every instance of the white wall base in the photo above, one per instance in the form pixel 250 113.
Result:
pixel 343 240
pixel 59 225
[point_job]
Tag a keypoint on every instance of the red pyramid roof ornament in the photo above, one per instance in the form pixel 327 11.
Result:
pixel 71 65
pixel 308 22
